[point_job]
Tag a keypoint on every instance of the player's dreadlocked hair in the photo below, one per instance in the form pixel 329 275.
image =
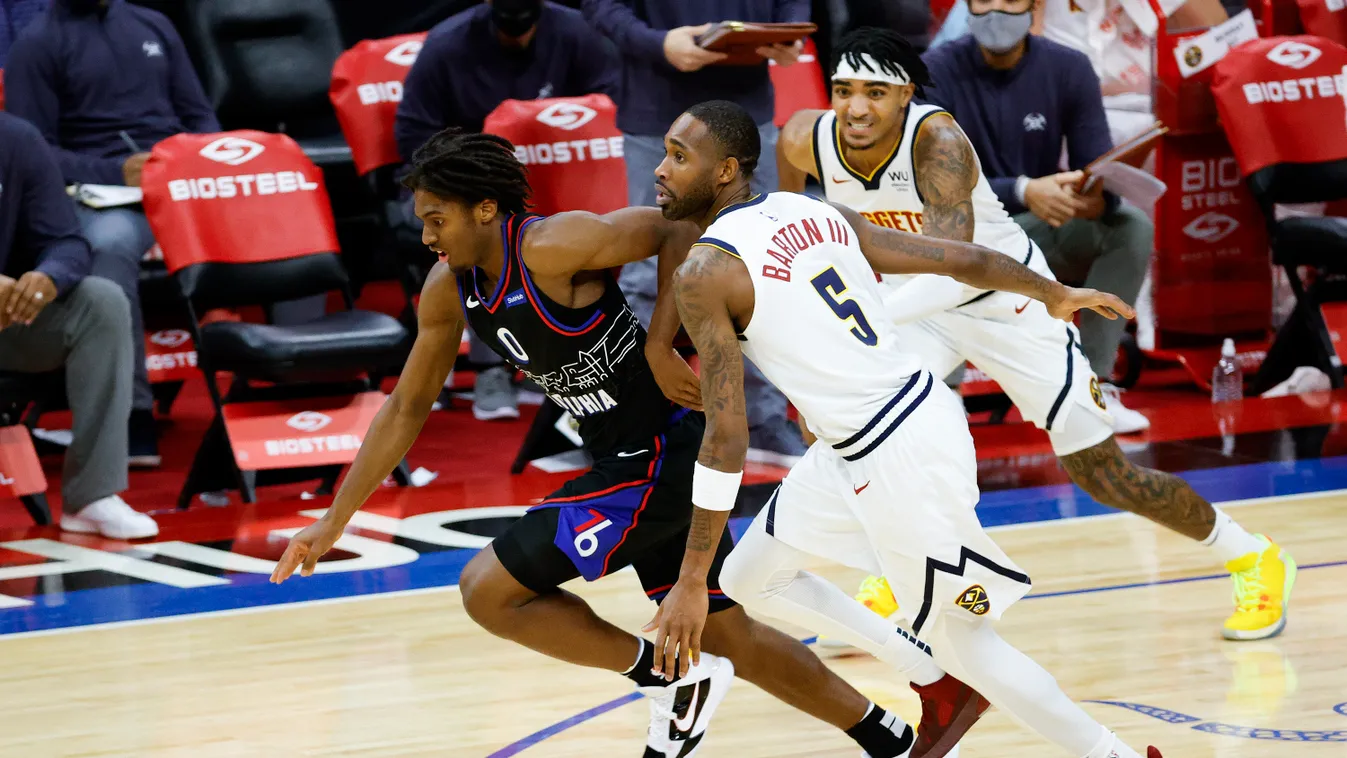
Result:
pixel 471 167
pixel 733 129
pixel 889 49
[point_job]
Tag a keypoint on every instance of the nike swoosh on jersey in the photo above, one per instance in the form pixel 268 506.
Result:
pixel 472 302
pixel 633 455
pixel 837 181
pixel 1022 307
pixel 861 488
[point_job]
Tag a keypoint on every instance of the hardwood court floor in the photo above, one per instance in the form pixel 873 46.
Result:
pixel 410 675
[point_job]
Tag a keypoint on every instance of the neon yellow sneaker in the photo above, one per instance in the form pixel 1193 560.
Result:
pixel 874 594
pixel 1263 583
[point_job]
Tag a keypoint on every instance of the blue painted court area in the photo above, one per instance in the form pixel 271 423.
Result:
pixel 441 568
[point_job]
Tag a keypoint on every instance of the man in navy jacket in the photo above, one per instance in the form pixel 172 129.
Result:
pixel 664 73
pixel 1018 97
pixel 53 315
pixel 103 81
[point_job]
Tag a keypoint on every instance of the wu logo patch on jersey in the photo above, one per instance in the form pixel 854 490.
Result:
pixel 1295 55
pixel 568 116
pixel 1211 227
pixel 405 54
pixel 1035 122
pixel 152 49
pixel 232 151
pixel 975 601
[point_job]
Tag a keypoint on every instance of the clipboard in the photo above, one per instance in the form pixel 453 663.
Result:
pixel 739 39
pixel 1133 152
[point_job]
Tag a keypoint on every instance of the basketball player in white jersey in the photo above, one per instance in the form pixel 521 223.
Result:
pixel 909 166
pixel 891 484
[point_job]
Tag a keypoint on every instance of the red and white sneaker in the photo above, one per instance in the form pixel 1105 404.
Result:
pixel 681 712
pixel 949 708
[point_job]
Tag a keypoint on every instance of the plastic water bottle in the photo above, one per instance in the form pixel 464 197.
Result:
pixel 1227 380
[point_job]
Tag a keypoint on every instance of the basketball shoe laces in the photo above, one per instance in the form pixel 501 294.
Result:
pixel 1250 590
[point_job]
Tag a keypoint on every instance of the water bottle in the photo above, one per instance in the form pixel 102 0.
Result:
pixel 1227 389
pixel 1227 380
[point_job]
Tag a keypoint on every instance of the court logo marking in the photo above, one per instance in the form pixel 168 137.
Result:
pixel 1232 730
pixel 975 601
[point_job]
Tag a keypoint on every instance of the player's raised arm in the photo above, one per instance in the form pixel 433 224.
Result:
pixel 395 427
pixel 795 151
pixel 893 252
pixel 704 286
pixel 582 241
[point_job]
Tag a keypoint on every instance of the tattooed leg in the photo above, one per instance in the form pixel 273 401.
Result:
pixel 1106 474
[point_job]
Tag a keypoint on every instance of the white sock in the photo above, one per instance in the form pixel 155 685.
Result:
pixel 1110 746
pixel 1229 540
pixel 762 574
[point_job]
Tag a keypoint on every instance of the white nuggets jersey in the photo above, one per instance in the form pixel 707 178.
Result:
pixel 818 331
pixel 889 197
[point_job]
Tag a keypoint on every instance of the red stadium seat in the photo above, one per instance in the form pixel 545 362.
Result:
pixel 572 148
pixel 802 86
pixel 1281 101
pixel 22 397
pixel 244 220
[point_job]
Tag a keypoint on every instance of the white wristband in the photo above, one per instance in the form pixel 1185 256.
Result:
pixel 1020 185
pixel 714 490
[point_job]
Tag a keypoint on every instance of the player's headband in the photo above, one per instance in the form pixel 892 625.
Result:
pixel 870 71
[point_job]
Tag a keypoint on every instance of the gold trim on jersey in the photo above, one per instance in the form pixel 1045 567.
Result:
pixel 718 247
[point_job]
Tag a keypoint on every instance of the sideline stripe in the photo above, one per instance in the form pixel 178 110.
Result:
pixel 518 747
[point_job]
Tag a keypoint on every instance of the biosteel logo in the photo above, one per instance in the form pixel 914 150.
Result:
pixel 1211 227
pixel 405 54
pixel 568 116
pixel 232 151
pixel 171 338
pixel 1296 55
pixel 308 421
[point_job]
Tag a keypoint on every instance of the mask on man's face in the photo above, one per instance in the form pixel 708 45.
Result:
pixel 998 31
pixel 514 18
pixel 84 7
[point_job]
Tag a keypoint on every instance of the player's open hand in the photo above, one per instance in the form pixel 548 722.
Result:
pixel 675 378
pixel 680 620
pixel 1077 299
pixel 306 548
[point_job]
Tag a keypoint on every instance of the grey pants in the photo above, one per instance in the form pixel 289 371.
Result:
pixel 85 332
pixel 1110 254
pixel 119 238
pixel 639 281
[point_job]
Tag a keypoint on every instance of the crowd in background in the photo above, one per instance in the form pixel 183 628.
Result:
pixel 92 85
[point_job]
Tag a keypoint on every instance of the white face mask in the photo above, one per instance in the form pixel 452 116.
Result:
pixel 998 31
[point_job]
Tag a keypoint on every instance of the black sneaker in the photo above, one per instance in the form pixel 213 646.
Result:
pixel 143 440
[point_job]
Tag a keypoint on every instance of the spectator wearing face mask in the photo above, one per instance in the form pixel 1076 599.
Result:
pixel 471 63
pixel 1018 97
pixel 104 81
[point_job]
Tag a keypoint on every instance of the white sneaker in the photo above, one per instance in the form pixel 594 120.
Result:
pixel 681 712
pixel 1125 420
pixel 112 518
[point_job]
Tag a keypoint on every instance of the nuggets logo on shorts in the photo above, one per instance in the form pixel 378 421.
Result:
pixel 1097 394
pixel 974 600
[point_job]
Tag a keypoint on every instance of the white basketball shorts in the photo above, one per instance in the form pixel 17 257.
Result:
pixel 1036 359
pixel 898 500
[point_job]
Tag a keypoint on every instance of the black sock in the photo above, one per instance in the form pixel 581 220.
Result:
pixel 640 673
pixel 882 735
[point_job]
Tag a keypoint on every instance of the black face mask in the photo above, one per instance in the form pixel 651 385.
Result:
pixel 84 7
pixel 514 18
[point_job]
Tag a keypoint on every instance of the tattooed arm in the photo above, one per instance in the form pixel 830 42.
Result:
pixel 946 173
pixel 710 287
pixel 893 252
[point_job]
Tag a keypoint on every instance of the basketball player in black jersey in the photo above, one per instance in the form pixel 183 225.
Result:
pixel 541 292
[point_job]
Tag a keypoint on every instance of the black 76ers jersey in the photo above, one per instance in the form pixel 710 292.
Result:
pixel 590 361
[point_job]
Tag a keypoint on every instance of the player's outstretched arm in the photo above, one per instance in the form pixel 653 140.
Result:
pixel 576 241
pixel 893 252
pixel 395 427
pixel 795 151
pixel 704 285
